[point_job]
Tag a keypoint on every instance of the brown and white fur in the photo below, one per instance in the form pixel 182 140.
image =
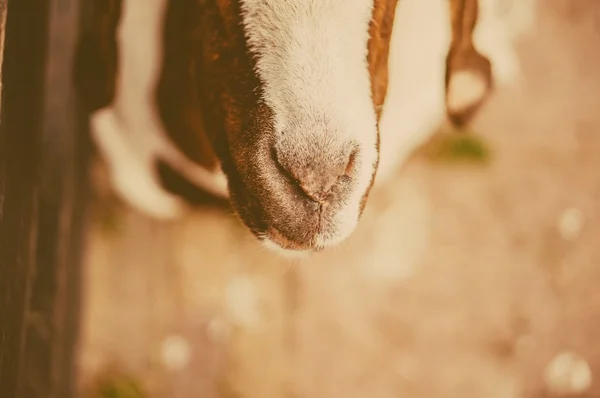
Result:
pixel 286 108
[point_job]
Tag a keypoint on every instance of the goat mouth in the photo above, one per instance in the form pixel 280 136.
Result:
pixel 286 243
pixel 251 213
pixel 277 212
pixel 312 231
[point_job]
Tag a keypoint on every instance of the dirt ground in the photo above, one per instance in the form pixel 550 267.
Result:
pixel 462 281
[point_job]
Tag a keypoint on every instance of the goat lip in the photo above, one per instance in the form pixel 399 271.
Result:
pixel 282 240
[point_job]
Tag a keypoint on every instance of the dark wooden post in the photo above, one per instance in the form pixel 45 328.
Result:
pixel 43 174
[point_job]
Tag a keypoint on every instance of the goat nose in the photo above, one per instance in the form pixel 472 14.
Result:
pixel 319 173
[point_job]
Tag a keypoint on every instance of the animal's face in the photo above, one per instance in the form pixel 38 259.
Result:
pixel 293 90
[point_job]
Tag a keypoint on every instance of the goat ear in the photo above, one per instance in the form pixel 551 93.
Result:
pixel 380 34
pixel 177 96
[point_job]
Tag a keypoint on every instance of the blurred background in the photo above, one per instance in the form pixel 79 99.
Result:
pixel 474 274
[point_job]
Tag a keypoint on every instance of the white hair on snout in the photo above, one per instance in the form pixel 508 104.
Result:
pixel 311 58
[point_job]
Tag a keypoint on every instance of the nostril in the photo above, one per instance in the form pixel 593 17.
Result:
pixel 317 174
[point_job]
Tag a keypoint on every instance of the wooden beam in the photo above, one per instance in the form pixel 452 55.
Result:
pixel 43 190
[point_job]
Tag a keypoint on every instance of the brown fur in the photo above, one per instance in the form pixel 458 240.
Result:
pixel 96 60
pixel 380 31
pixel 230 94
pixel 379 48
pixel 177 97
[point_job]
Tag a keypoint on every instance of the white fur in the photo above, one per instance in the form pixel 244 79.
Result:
pixel 311 59
pixel 128 132
pixel 414 105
